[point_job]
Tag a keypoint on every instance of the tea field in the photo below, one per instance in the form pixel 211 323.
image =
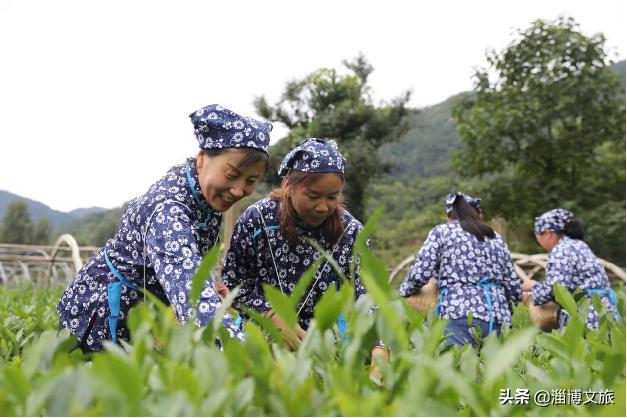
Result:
pixel 169 369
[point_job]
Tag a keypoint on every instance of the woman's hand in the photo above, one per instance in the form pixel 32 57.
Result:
pixel 375 373
pixel 292 338
pixel 221 288
pixel 528 284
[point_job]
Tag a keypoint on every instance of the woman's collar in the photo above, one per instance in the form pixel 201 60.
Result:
pixel 194 186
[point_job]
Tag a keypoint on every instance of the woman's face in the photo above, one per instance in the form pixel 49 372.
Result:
pixel 316 201
pixel 548 239
pixel 221 181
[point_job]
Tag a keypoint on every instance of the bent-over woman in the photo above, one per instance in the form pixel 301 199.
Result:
pixel 571 263
pixel 473 269
pixel 164 233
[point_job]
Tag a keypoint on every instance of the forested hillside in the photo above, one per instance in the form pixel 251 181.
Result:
pixel 421 175
pixel 58 220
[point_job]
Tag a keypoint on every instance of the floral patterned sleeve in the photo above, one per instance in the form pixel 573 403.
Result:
pixel 559 269
pixel 240 266
pixel 511 281
pixel 174 254
pixel 427 264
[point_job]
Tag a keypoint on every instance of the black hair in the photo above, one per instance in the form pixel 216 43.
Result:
pixel 574 229
pixel 251 156
pixel 469 219
pixel 332 227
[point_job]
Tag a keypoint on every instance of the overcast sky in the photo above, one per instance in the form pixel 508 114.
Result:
pixel 95 96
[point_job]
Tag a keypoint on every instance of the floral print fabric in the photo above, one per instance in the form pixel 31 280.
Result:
pixel 459 261
pixel 572 264
pixel 249 261
pixel 168 232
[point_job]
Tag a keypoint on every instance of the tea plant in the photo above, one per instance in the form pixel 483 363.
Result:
pixel 168 369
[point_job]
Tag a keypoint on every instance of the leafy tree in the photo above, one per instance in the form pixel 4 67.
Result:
pixel 19 228
pixel 41 232
pixel 327 104
pixel 96 228
pixel 17 223
pixel 546 126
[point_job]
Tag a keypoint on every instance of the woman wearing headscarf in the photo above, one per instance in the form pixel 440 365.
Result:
pixel 164 233
pixel 473 269
pixel 571 263
pixel 269 243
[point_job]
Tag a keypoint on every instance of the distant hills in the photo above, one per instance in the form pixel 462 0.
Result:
pixel 57 219
pixel 425 149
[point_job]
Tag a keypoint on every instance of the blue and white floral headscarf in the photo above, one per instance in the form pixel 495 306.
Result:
pixel 219 127
pixel 553 220
pixel 314 156
pixel 472 201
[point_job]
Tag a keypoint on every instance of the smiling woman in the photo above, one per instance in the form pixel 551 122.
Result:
pixel 227 175
pixel 165 232
pixel 312 198
pixel 272 241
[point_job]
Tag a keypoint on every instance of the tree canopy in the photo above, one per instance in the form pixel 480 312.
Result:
pixel 19 228
pixel 330 105
pixel 545 127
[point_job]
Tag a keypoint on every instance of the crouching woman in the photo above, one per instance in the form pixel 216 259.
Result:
pixel 164 233
pixel 269 244
pixel 473 269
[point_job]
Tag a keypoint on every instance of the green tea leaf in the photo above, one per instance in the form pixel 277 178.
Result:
pixel 281 304
pixel 565 299
pixel 328 309
pixel 203 274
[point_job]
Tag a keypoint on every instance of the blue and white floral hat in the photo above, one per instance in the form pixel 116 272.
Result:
pixel 475 202
pixel 314 156
pixel 218 127
pixel 553 220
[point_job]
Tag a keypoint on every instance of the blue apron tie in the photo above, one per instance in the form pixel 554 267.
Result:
pixel 610 295
pixel 341 324
pixel 238 323
pixel 342 329
pixel 440 298
pixel 114 294
pixel 483 283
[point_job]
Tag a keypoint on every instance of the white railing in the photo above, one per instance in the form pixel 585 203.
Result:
pixel 43 264
pixel 527 266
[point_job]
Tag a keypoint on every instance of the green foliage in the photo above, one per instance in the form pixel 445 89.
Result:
pixel 18 227
pixel 96 228
pixel 26 310
pixel 42 232
pixel 203 273
pixel 412 207
pixel 174 370
pixel 17 224
pixel 548 130
pixel 327 104
pixel 424 150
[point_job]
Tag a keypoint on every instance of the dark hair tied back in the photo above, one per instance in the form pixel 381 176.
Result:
pixel 469 219
pixel 574 229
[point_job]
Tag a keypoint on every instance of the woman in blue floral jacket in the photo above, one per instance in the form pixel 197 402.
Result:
pixel 269 243
pixel 164 233
pixel 473 268
pixel 571 263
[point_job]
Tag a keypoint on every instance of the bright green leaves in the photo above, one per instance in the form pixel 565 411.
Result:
pixel 374 276
pixel 203 274
pixel 170 369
